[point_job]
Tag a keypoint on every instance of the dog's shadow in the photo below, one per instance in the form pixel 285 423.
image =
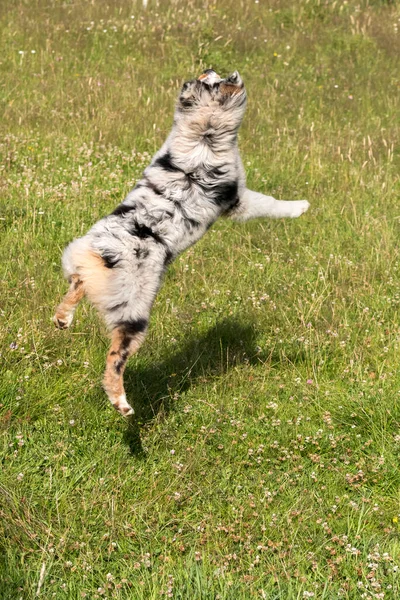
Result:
pixel 152 389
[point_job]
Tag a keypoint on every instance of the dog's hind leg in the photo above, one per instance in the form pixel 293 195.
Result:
pixel 126 339
pixel 65 310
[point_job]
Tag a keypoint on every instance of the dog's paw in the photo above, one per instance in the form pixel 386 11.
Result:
pixel 62 321
pixel 128 412
pixel 298 207
pixel 122 406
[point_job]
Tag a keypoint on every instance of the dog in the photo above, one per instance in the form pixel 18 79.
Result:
pixel 196 177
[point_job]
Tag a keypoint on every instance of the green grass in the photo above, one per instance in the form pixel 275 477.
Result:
pixel 263 462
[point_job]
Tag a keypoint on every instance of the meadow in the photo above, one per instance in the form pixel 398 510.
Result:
pixel 263 458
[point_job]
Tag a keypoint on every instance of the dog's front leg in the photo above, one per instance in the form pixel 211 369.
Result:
pixel 252 205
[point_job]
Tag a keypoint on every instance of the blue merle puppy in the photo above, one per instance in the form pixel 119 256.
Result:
pixel 196 177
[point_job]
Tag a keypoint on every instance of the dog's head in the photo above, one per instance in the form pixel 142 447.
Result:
pixel 210 90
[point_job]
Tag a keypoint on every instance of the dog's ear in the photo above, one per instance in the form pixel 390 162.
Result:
pixel 189 93
pixel 232 85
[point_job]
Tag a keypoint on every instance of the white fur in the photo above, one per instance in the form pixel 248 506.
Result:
pixel 253 205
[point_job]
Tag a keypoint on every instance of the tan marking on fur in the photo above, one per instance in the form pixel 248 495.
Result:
pixel 113 382
pixel 93 273
pixel 205 75
pixel 66 308
pixel 230 89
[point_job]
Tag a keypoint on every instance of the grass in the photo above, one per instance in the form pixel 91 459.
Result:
pixel 263 461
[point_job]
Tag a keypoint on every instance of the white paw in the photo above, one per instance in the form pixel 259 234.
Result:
pixel 122 406
pixel 63 322
pixel 303 206
pixel 298 207
pixel 129 412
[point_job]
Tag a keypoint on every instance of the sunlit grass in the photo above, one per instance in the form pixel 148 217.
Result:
pixel 263 462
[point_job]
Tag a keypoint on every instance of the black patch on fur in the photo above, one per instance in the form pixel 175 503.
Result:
pixel 122 209
pixel 226 194
pixel 168 257
pixel 131 328
pixel 165 162
pixel 110 260
pixel 186 102
pixel 124 354
pixel 118 366
pixel 143 232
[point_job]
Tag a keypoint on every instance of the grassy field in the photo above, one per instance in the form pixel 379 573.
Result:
pixel 263 460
